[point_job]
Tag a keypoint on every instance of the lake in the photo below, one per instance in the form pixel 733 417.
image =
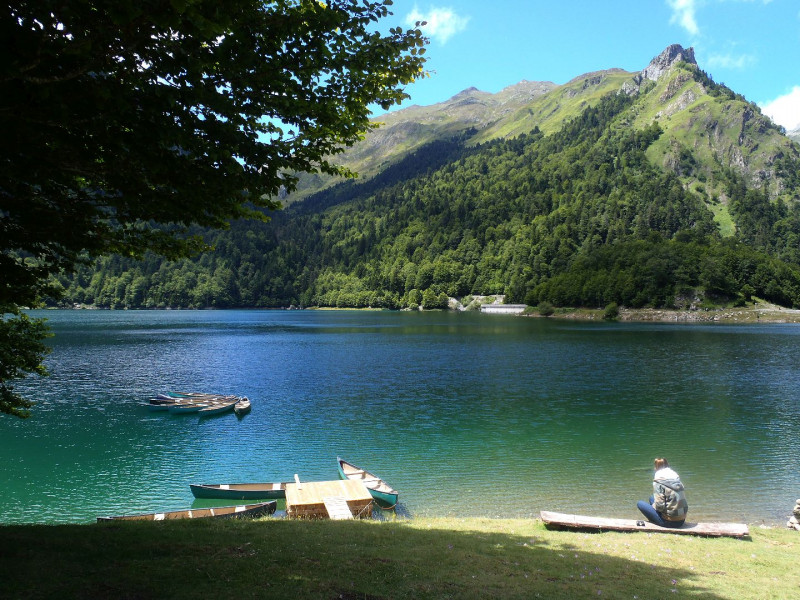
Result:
pixel 466 414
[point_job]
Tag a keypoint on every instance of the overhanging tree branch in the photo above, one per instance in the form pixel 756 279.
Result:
pixel 121 116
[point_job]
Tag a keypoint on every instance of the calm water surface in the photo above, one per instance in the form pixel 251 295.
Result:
pixel 465 414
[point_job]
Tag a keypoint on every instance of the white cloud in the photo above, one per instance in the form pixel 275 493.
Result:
pixel 683 13
pixel 729 61
pixel 785 110
pixel 442 23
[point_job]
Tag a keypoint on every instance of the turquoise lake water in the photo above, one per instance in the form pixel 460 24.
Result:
pixel 465 414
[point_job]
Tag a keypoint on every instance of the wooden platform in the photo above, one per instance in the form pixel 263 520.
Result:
pixel 561 520
pixel 337 508
pixel 306 500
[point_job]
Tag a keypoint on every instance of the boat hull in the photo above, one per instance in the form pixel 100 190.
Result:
pixel 185 409
pixel 182 403
pixel 385 499
pixel 216 409
pixel 260 509
pixel 242 407
pixel 240 491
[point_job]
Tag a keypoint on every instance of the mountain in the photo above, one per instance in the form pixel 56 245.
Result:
pixel 480 115
pixel 718 128
pixel 708 130
pixel 656 188
pixel 794 134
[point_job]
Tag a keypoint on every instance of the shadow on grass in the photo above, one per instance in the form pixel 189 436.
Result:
pixel 321 559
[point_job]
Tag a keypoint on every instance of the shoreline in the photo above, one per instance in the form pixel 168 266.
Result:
pixel 761 313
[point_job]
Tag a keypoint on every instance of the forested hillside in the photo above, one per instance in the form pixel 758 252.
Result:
pixel 605 209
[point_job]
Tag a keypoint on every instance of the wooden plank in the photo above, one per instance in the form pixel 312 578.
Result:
pixel 337 507
pixel 555 519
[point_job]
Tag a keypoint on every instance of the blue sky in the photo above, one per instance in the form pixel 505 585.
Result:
pixel 752 46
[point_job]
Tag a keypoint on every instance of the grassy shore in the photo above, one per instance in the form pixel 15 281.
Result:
pixel 420 558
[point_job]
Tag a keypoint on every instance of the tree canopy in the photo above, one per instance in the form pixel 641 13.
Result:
pixel 127 122
pixel 579 217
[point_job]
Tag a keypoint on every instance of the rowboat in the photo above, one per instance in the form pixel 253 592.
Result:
pixel 239 491
pixel 216 408
pixel 191 402
pixel 385 495
pixel 246 510
pixel 159 404
pixel 242 406
pixel 185 408
pixel 178 397
pixel 171 397
pixel 191 395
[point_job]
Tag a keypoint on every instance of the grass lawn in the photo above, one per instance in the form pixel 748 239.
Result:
pixel 420 558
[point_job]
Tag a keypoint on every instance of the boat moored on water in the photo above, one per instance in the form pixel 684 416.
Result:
pixel 156 404
pixel 173 397
pixel 193 402
pixel 240 491
pixel 185 408
pixel 216 408
pixel 242 407
pixel 260 509
pixel 385 495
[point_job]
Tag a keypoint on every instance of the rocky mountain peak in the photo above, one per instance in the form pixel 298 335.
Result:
pixel 467 92
pixel 661 63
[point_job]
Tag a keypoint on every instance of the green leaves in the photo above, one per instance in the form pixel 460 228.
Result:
pixel 22 349
pixel 127 122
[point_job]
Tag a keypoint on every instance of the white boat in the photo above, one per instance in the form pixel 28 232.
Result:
pixel 247 510
pixel 217 408
pixel 242 406
pixel 182 409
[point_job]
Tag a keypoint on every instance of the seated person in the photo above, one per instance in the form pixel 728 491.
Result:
pixel 667 506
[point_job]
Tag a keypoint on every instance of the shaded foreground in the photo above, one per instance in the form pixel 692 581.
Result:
pixel 425 558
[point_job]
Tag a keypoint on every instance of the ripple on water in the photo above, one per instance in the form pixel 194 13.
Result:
pixel 464 414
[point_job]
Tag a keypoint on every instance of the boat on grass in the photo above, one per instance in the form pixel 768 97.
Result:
pixel 260 509
pixel 242 407
pixel 240 491
pixel 554 520
pixel 385 495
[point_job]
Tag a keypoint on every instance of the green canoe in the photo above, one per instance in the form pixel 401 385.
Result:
pixel 239 491
pixel 385 495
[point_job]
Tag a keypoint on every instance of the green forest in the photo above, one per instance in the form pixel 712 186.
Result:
pixel 576 218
